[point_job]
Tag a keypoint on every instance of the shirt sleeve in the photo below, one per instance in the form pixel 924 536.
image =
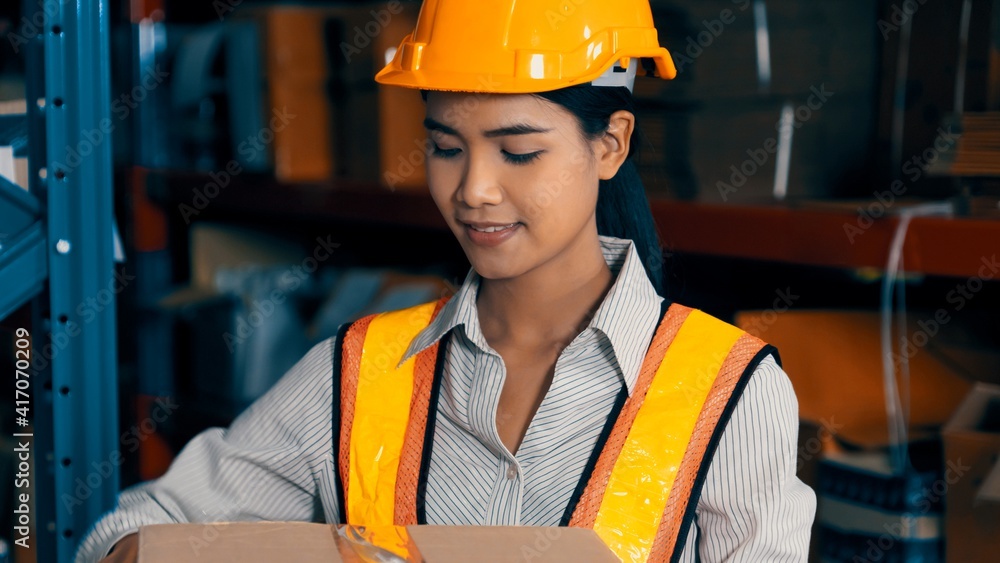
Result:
pixel 753 506
pixel 265 466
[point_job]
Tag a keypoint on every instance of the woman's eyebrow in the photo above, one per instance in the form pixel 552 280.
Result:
pixel 516 129
pixel 432 124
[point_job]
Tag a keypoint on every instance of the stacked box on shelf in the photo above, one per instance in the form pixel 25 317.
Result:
pixel 718 113
pixel 354 37
pixel 402 138
pixel 297 74
pixel 972 452
pixel 14 142
pixel 865 512
pixel 321 63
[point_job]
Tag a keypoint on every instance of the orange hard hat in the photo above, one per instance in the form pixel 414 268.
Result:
pixel 525 46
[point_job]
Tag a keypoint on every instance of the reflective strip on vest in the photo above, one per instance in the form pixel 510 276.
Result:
pixel 643 475
pixel 381 414
pixel 638 496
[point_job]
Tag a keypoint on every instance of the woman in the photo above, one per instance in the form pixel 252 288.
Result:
pixel 557 387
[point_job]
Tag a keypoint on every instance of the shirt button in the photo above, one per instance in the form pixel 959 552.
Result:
pixel 512 473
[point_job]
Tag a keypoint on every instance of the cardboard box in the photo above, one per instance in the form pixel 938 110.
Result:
pixel 303 542
pixel 320 65
pixel 297 74
pixel 402 138
pixel 13 143
pixel 971 450
pixel 715 116
pixel 303 148
pixel 834 360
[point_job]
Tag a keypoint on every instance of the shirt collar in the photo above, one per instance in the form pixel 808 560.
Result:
pixel 627 316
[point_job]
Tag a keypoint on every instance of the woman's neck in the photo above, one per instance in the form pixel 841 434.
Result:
pixel 549 305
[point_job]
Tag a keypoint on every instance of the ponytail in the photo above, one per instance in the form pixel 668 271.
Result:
pixel 622 206
pixel 623 212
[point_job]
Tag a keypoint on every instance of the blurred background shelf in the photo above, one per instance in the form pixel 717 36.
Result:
pixel 815 233
pixel 338 200
pixel 825 234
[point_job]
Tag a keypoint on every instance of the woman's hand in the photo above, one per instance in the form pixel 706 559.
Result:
pixel 125 551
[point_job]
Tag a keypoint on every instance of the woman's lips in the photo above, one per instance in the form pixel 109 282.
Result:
pixel 495 238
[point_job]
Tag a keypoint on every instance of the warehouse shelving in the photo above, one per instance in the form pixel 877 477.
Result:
pixel 804 233
pixel 821 234
pixel 60 253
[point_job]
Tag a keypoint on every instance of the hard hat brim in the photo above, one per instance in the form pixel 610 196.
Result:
pixel 450 81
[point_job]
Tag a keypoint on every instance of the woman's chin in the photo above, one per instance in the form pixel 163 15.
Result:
pixel 493 270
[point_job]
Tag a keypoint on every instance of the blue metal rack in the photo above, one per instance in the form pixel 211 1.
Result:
pixel 59 252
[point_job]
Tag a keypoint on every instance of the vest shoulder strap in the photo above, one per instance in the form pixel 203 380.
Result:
pixel 641 495
pixel 379 454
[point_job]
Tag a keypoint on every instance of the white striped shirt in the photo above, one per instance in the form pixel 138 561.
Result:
pixel 275 461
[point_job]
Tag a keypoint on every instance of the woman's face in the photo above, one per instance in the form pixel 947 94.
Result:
pixel 516 165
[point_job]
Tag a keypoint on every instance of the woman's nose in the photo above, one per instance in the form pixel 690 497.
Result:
pixel 480 183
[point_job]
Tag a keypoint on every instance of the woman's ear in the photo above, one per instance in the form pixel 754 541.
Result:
pixel 613 147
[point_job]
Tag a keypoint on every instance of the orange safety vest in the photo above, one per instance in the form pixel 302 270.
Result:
pixel 641 485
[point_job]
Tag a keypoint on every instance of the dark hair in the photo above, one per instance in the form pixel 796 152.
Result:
pixel 622 206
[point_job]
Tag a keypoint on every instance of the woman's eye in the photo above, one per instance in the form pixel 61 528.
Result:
pixel 521 158
pixel 444 153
